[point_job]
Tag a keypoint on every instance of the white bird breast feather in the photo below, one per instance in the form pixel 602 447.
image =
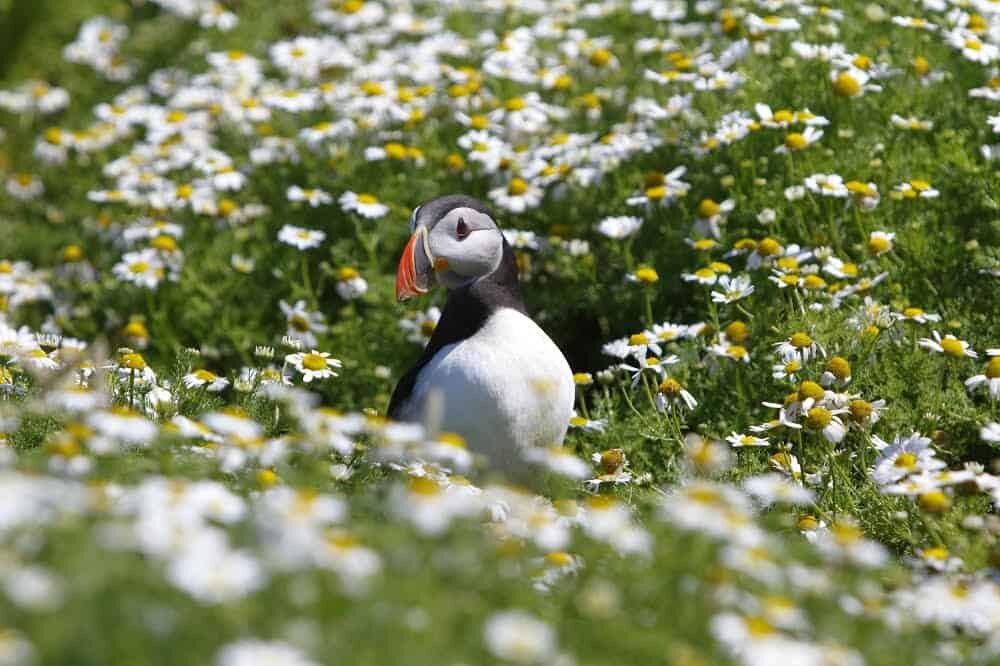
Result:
pixel 508 386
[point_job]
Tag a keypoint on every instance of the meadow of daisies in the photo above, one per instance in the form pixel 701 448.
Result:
pixel 766 234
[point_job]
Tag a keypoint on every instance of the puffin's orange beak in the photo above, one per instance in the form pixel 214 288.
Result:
pixel 414 272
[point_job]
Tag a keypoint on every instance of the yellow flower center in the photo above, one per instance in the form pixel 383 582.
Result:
pixel 600 57
pixel 559 559
pixel 133 361
pixel 638 339
pixel 314 362
pixel 796 141
pixel 993 368
pixel 879 245
pixel 758 626
pixel 861 410
pixel 846 85
pixel 421 485
pixel 953 347
pixel 135 329
pixel 800 340
pixel 517 187
pixel 299 323
pixel 452 439
pixel 515 104
pixel 939 553
pixel 204 375
pixel 808 389
pixel 656 193
pixel 913 312
pixel 164 243
pixel 347 273
pixel 768 247
pixel 611 460
pixel 72 253
pixel 396 151
pixel 647 275
pixel 845 533
pixel 839 367
pixel 860 189
pixel 818 418
pixel 427 327
pixel 708 208
pixel 670 387
pixel 812 281
pixel 365 198
pixel 737 331
pixel 789 264
pixel 905 461
pixel 720 267
pixel 782 116
pixel 934 501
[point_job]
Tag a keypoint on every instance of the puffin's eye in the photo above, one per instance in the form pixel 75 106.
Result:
pixel 461 229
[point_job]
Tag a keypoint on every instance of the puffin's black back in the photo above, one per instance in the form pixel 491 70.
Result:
pixel 466 311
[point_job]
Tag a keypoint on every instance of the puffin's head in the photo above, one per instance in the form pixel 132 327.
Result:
pixel 454 241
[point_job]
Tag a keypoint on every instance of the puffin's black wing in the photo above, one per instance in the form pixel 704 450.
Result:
pixel 464 314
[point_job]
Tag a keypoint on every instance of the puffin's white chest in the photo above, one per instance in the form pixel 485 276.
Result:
pixel 506 386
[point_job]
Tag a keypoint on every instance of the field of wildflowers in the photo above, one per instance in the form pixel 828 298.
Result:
pixel 765 233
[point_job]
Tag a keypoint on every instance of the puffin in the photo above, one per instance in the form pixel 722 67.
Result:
pixel 489 373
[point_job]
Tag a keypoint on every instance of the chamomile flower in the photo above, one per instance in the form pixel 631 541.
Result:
pixel 799 346
pixel 303 325
pixel 907 455
pixel 709 214
pixel 313 365
pixel 517 196
pixel 911 124
pixel 724 349
pixel 990 376
pixel 350 285
pixel 420 325
pixel 313 197
pixel 738 441
pixel 519 637
pixel 797 141
pixel 619 228
pixel 299 238
pixel 732 289
pixel 251 652
pixel 364 204
pixel 25 186
pixel 205 379
pixel 657 366
pixel 949 345
pixel 560 461
pixel 827 185
pixel 916 315
pixel 916 189
pixel 671 395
